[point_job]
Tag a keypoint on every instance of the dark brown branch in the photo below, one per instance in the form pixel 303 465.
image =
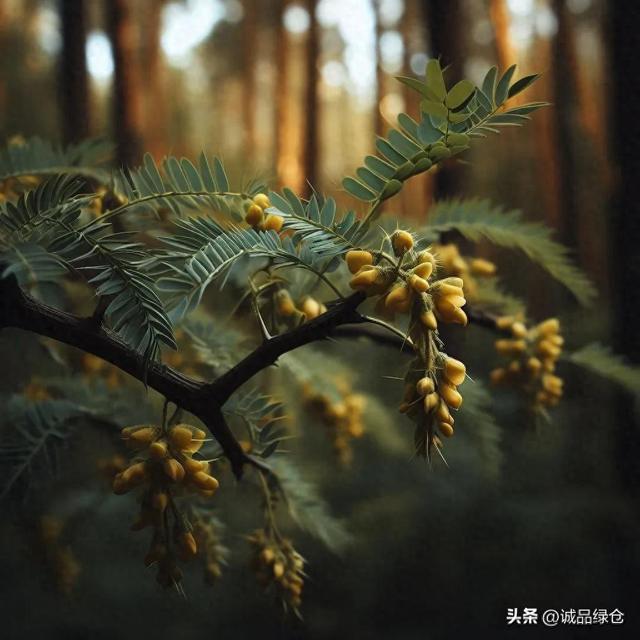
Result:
pixel 343 312
pixel 204 400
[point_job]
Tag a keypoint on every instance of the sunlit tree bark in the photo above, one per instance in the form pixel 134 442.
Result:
pixel 155 108
pixel 311 120
pixel 127 97
pixel 249 36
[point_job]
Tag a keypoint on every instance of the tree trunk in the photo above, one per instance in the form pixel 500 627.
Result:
pixel 447 33
pixel 379 123
pixel 127 98
pixel 624 78
pixel 73 79
pixel 311 120
pixel 505 53
pixel 249 46
pixel 155 108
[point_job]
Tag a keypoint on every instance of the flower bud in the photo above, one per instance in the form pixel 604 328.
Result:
pixel 418 284
pixel 401 241
pixel 254 215
pixel 356 259
pixel 454 371
pixel 262 200
pixel 274 222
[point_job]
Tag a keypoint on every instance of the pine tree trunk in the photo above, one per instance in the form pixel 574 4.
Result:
pixel 311 120
pixel 379 123
pixel 505 53
pixel 624 27
pixel 73 78
pixel 249 46
pixel 127 97
pixel 281 91
pixel 447 33
pixel 155 109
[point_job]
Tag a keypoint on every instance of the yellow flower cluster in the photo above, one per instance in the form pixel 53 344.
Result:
pixel 165 467
pixel 533 355
pixel 436 395
pixel 408 288
pixel 255 215
pixel 452 263
pixel 59 560
pixel 276 563
pixel 343 419
pixel 213 551
pixel 307 308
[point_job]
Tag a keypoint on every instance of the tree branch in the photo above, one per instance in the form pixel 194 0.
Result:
pixel 204 400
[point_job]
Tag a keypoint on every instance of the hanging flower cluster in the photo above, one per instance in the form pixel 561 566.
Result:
pixel 165 467
pixel 257 217
pixel 532 356
pixel 342 418
pixel 278 566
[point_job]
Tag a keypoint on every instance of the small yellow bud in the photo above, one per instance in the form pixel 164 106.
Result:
pixel 426 257
pixel 180 437
pixel 428 319
pixel 450 395
pixel 254 215
pixel 273 222
pixel 173 469
pixel 158 449
pixel 267 556
pixel 284 304
pixel 424 386
pixel 424 269
pixel 445 429
pixel 204 481
pixel 518 330
pixel 399 299
pixel 505 322
pixel 356 259
pixel 310 307
pixel 454 371
pixel 367 279
pixel 549 327
pixel 188 546
pixel 431 402
pixel 142 437
pixel 534 365
pixel 482 267
pixel 278 570
pixel 418 284
pixel 262 200
pixel 192 466
pixel 510 347
pixel 401 241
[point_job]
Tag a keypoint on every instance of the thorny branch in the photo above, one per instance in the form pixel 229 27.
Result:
pixel 203 399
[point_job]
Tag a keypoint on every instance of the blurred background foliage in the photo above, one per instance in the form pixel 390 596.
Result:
pixel 295 91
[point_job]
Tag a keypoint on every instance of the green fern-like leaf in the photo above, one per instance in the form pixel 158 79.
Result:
pixel 490 296
pixel 37 157
pixel 37 432
pixel 306 506
pixel 603 362
pixel 316 222
pixel 261 416
pixel 480 220
pixel 179 185
pixel 449 119
pixel 203 251
pixel 49 217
